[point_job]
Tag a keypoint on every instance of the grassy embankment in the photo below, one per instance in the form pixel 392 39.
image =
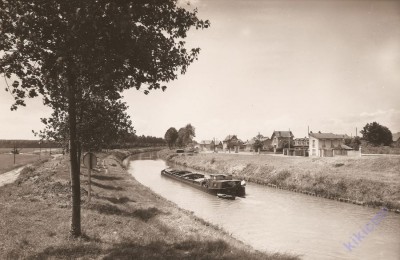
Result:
pixel 124 220
pixel 372 181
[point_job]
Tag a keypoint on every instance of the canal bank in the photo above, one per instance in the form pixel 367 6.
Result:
pixel 277 220
pixel 124 220
pixel 367 181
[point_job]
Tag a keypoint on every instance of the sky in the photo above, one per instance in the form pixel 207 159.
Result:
pixel 332 66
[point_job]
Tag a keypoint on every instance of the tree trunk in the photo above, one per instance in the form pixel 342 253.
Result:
pixel 79 156
pixel 74 166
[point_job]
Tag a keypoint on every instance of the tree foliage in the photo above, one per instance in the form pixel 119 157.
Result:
pixel 132 140
pixel 376 134
pixel 100 124
pixel 185 135
pixel 354 142
pixel 68 50
pixel 258 143
pixel 171 136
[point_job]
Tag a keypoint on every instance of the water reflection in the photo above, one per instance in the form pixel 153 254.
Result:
pixel 278 220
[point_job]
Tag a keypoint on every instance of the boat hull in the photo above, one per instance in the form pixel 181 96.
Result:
pixel 235 191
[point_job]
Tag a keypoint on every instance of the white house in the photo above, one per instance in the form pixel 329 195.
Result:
pixel 327 144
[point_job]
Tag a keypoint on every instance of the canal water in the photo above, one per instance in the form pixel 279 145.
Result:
pixel 281 221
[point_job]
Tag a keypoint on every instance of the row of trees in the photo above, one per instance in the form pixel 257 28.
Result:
pixel 132 140
pixel 80 55
pixel 27 144
pixel 181 138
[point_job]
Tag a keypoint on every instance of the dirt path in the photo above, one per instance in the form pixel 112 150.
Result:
pixel 11 176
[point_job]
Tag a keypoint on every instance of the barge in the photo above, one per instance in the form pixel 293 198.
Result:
pixel 214 184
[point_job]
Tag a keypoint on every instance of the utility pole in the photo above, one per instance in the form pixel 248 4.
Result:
pixel 289 142
pixel 214 144
pixel 356 132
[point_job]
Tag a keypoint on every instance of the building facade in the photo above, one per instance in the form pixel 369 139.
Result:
pixel 280 139
pixel 327 144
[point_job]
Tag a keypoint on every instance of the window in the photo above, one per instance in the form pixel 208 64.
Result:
pixel 313 144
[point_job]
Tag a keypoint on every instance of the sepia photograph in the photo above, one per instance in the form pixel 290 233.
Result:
pixel 200 129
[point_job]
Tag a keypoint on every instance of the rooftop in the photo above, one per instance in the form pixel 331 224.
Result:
pixel 282 134
pixel 320 135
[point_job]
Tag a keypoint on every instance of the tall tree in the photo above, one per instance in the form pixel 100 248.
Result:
pixel 170 136
pixel 55 48
pixel 376 134
pixel 185 135
pixel 258 144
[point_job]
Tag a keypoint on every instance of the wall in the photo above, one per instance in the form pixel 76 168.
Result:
pixel 354 153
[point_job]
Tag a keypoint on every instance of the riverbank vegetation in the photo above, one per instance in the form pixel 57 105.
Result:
pixel 373 181
pixel 124 220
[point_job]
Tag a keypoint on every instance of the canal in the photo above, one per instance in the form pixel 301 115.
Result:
pixel 281 221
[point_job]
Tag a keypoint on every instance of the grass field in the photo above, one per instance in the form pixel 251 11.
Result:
pixel 124 220
pixel 7 160
pixel 372 180
pixel 23 150
pixel 31 150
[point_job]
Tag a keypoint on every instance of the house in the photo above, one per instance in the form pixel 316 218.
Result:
pixel 280 139
pixel 206 145
pixel 249 145
pixel 300 146
pixel 217 145
pixel 327 144
pixel 396 139
pixel 231 142
pixel 210 145
pixel 266 142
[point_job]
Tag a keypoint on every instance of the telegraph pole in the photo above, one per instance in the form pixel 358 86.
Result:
pixel 289 142
pixel 214 144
